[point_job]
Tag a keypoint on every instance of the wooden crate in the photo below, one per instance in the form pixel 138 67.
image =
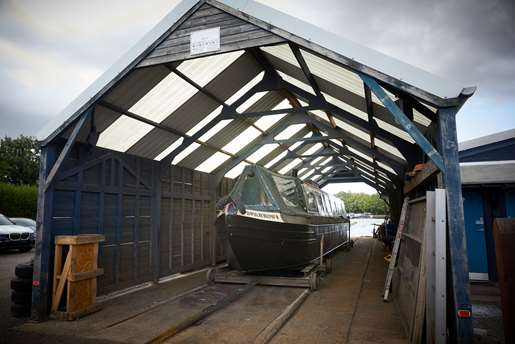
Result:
pixel 77 273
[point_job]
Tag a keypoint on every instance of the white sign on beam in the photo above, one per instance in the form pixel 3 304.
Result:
pixel 204 41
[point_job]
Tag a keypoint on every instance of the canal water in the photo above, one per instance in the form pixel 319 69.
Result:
pixel 363 227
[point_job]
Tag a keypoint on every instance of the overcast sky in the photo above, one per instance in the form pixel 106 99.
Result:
pixel 51 50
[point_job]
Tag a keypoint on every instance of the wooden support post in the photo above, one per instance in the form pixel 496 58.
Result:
pixel 458 263
pixel 156 219
pixel 42 256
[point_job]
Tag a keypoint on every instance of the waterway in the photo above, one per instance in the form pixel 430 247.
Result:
pixel 363 227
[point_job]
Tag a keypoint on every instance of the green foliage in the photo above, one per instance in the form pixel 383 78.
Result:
pixel 18 200
pixel 19 160
pixel 363 203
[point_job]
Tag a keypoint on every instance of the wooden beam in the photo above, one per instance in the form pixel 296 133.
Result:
pixel 67 147
pixel 403 120
pixel 237 115
pixel 176 132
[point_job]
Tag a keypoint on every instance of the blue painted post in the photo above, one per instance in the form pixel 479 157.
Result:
pixel 448 142
pixel 42 256
pixel 404 121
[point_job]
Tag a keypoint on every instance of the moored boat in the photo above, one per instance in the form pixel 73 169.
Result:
pixel 271 222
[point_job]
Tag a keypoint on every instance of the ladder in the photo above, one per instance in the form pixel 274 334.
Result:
pixel 395 250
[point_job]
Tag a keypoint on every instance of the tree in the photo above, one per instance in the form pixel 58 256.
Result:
pixel 363 203
pixel 19 160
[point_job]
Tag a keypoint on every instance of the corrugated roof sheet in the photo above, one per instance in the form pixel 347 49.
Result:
pixel 180 99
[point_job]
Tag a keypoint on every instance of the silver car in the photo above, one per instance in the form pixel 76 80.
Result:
pixel 13 236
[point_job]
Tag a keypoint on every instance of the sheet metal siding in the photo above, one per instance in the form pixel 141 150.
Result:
pixel 227 83
pixel 235 34
pixel 111 193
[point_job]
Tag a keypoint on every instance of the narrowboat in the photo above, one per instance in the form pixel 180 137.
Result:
pixel 275 222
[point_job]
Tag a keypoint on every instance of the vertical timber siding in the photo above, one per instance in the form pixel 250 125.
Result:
pixel 157 220
pixel 235 34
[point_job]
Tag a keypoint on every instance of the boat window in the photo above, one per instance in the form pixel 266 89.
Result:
pixel 312 202
pixel 321 205
pixel 254 195
pixel 327 204
pixel 289 192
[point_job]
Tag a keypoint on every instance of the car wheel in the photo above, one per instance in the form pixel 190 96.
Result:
pixel 25 249
pixel 21 297
pixel 21 284
pixel 20 311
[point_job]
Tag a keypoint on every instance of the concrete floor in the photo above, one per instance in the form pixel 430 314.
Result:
pixel 347 309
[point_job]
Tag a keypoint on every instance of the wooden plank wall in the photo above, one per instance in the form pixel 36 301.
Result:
pixel 235 34
pixel 115 194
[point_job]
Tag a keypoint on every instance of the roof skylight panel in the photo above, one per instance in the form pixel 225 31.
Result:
pixel 262 152
pixel 205 121
pixel 355 131
pixel 289 131
pixel 316 177
pixel 162 100
pixel 204 69
pixel 236 171
pixel 386 167
pixel 290 166
pixel 266 122
pixel 251 101
pixel 276 159
pixel 326 161
pixel 420 118
pixel 184 153
pixel 334 73
pixel 283 52
pixel 389 148
pixel 212 162
pixel 245 88
pixel 242 140
pixel 344 106
pixel 393 130
pixel 170 149
pixel 123 133
pixel 327 169
pixel 310 172
pixel 314 161
pixel 296 82
pixel 215 129
pixel 314 149
pixel 357 152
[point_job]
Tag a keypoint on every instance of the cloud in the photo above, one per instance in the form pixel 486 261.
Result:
pixel 51 50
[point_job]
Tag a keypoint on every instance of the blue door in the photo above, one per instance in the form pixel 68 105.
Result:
pixel 475 231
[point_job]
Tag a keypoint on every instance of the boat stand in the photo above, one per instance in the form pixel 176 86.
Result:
pixel 308 277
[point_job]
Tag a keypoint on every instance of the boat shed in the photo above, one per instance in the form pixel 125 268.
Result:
pixel 143 154
pixel 487 167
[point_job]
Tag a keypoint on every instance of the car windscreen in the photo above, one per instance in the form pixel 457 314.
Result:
pixel 5 221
